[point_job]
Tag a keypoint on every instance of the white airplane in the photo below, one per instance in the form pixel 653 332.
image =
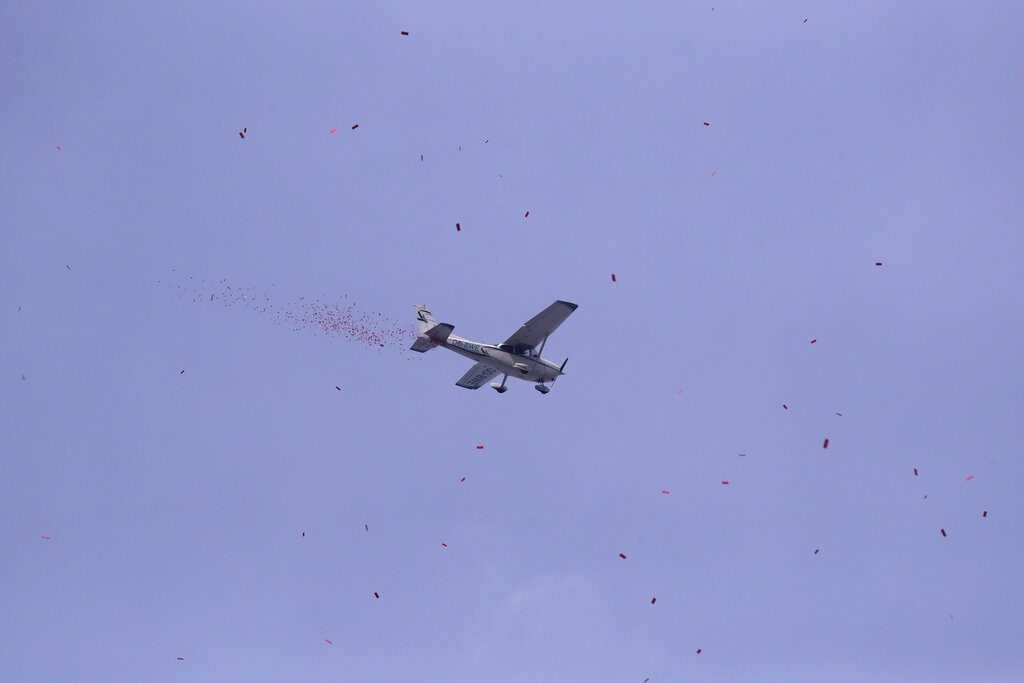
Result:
pixel 517 356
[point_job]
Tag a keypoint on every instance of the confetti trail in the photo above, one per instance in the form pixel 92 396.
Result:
pixel 336 318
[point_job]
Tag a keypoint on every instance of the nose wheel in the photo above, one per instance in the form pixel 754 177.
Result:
pixel 541 388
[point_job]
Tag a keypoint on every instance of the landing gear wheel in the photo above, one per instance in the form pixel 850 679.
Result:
pixel 542 389
pixel 500 388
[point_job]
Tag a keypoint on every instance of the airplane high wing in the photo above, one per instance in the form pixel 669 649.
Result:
pixel 477 376
pixel 537 329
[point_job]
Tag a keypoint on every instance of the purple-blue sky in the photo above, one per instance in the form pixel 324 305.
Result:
pixel 175 502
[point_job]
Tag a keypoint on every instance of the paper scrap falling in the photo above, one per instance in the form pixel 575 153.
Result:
pixel 805 21
pixel 725 482
pixel 335 318
pixel 303 534
pixel 366 526
pixel 654 600
pixel 814 341
pixel 458 227
pixel 337 387
pixel 613 277
pixel 985 513
pixel 706 123
pixel 915 471
pixel 785 407
pixel 825 444
pixel 45 538
pixel 354 126
pixel 376 595
pixel 479 447
pixel 242 133
pixel 182 372
pixel 462 480
pixel 970 476
pixel 328 641
pixel 332 131
pixel 526 215
pixel 623 556
pixel 180 659
pixel 444 545
pixel 878 263
pixel 714 173
pixel 67 266
pixel 817 550
pixel 698 650
pixel 405 33
pixel 943 532
pixel 421 157
pixel 59 148
pixel 679 393
pixel 665 492
pixel 839 414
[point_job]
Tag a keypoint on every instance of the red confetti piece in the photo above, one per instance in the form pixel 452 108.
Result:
pixel 59 148
pixel 725 482
pixel 366 526
pixel 985 513
pixel 825 444
pixel 698 650
pixel 462 480
pixel 814 341
pixel 328 641
pixel 303 534
pixel 839 414
pixel 421 157
pixel 622 556
pixel 444 545
pixel 706 123
pixel 405 33
pixel 332 131
pixel 458 227
pixel 664 491
pixel 613 277
pixel 878 263
pixel 817 551
pixel 805 21
pixel 925 497
pixel 785 407
pixel 45 538
pixel 479 447
pixel 180 659
pixel 242 133
pixel 526 215
pixel 943 532
pixel 337 387
pixel 354 126
pixel 181 373
pixel 653 600
pixel 915 471
pixel 679 393
pixel 714 173
pixel 376 595
pixel 970 476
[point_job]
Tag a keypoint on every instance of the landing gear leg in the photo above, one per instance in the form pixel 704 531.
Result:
pixel 541 388
pixel 500 388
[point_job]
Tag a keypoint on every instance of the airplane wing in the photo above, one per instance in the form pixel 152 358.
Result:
pixel 542 324
pixel 477 376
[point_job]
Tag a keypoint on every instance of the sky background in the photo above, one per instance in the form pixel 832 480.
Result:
pixel 175 503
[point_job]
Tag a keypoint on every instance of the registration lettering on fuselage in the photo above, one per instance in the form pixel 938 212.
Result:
pixel 468 346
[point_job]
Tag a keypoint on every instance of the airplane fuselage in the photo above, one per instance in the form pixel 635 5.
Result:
pixel 522 366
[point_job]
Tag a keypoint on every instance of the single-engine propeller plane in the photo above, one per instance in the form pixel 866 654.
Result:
pixel 518 356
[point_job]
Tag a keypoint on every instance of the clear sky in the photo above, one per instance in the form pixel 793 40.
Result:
pixel 173 504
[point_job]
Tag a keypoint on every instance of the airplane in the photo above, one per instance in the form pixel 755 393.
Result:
pixel 516 357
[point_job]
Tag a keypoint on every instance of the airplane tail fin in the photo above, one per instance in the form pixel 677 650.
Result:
pixel 431 331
